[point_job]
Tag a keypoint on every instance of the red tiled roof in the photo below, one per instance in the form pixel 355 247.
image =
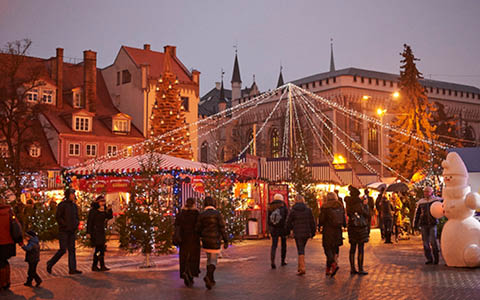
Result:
pixel 155 60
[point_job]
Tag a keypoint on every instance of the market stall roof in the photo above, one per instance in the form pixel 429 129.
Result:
pixel 139 162
pixel 470 157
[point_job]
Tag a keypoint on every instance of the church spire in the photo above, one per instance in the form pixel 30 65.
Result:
pixel 332 63
pixel 236 70
pixel 222 91
pixel 280 78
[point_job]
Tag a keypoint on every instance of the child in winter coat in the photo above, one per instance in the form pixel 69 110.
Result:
pixel 32 256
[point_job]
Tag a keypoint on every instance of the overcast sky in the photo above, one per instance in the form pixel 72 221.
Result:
pixel 445 35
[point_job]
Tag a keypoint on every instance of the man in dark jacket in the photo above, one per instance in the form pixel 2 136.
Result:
pixel 211 228
pixel 428 226
pixel 301 221
pixel 67 219
pixel 331 220
pixel 380 196
pixel 98 216
pixel 277 215
pixel 386 211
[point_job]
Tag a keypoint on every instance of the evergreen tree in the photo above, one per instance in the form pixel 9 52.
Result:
pixel 413 115
pixel 219 186
pixel 41 219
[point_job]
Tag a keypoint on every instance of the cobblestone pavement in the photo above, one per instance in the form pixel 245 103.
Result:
pixel 395 272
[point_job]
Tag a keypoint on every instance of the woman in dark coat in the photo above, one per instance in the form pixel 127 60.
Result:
pixel 301 221
pixel 96 222
pixel 358 215
pixel 189 242
pixel 277 216
pixel 211 228
pixel 7 245
pixel 332 219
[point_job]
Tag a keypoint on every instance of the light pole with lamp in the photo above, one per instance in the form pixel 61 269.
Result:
pixel 381 112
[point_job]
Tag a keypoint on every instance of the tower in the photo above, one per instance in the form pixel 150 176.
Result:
pixel 236 80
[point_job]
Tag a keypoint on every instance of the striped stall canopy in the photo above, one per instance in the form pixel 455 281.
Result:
pixel 346 176
pixel 139 162
pixel 275 169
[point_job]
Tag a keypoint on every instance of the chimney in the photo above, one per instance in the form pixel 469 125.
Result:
pixel 196 78
pixel 146 46
pixel 217 85
pixel 59 77
pixel 170 49
pixel 90 79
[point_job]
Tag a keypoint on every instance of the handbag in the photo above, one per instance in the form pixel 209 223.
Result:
pixel 358 220
pixel 15 229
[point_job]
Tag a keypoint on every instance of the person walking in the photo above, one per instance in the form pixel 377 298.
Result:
pixel 32 257
pixel 98 217
pixel 358 214
pixel 277 216
pixel 188 241
pixel 300 220
pixel 368 200
pixel 331 220
pixel 211 228
pixel 7 244
pixel 378 202
pixel 67 219
pixel 428 225
pixel 386 211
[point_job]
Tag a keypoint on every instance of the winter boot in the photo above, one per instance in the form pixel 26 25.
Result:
pixel 301 265
pixel 334 268
pixel 102 263
pixel 436 258
pixel 272 259
pixel 95 264
pixel 328 270
pixel 284 256
pixel 360 264
pixel 209 281
pixel 353 271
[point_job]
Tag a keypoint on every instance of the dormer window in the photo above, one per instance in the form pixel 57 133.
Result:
pixel 32 95
pixel 35 151
pixel 47 96
pixel 82 123
pixel 77 99
pixel 121 125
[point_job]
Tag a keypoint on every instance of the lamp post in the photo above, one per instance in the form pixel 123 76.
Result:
pixel 381 112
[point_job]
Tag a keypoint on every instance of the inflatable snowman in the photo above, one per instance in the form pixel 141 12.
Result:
pixel 460 240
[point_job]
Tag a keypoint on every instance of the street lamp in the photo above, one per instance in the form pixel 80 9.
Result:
pixel 381 112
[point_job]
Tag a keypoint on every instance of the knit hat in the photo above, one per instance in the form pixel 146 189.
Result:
pixel 31 233
pixel 278 197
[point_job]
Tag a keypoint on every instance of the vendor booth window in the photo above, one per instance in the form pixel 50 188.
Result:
pixel 275 142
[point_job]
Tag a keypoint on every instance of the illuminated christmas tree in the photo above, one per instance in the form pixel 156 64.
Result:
pixel 168 115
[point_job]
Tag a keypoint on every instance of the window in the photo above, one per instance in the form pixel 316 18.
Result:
pixel 376 81
pixel 121 126
pixel 275 142
pixel 391 83
pixel 32 95
pixel 369 80
pixel 4 150
pixel 112 150
pixel 334 79
pixel 313 84
pixel 468 95
pixel 455 93
pixel 373 139
pixel 34 151
pixel 362 80
pixel 91 150
pixel 326 81
pixel 320 83
pixel 384 82
pixel 443 92
pixel 185 104
pixel 204 152
pixel 118 77
pixel 74 149
pixel 449 92
pixel 77 99
pixel 47 96
pixel 126 77
pixel 355 78
pixel 82 124
pixel 431 89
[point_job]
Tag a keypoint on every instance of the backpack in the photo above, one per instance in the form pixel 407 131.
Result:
pixel 276 217
pixel 337 216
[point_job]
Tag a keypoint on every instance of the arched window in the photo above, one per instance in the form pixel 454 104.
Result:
pixel 204 152
pixel 275 143
pixel 373 139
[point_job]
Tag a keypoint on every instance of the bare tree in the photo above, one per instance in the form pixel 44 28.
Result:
pixel 19 123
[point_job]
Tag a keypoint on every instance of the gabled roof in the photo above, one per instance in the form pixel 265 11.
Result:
pixel 385 76
pixel 156 60
pixel 208 104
